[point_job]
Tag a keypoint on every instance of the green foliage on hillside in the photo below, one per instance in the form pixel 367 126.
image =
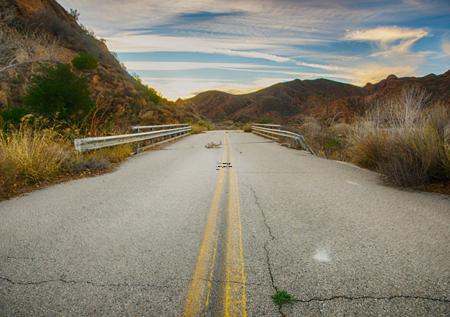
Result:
pixel 57 93
pixel 149 93
pixel 85 61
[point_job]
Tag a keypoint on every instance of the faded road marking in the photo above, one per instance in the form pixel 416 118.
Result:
pixel 235 301
pixel 233 290
pixel 198 296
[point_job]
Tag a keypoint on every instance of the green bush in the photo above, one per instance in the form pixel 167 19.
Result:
pixel 85 61
pixel 12 115
pixel 57 93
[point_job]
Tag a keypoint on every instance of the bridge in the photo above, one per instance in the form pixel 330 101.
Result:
pixel 188 230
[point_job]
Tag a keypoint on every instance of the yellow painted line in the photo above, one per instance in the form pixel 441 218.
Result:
pixel 235 303
pixel 199 292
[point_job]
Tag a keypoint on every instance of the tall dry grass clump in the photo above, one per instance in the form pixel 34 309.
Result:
pixel 30 156
pixel 35 155
pixel 327 138
pixel 404 140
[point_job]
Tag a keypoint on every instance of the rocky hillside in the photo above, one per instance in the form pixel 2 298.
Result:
pixel 289 101
pixel 33 32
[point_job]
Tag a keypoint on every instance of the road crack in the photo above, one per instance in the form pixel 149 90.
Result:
pixel 351 298
pixel 67 281
pixel 324 299
pixel 266 245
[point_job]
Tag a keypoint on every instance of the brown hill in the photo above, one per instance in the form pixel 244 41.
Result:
pixel 289 101
pixel 33 32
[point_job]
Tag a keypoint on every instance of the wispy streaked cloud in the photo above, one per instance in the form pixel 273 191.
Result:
pixel 391 40
pixel 149 65
pixel 182 47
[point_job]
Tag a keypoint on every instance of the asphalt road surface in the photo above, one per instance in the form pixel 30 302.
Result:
pixel 191 231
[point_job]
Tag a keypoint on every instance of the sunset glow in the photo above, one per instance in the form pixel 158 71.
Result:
pixel 184 47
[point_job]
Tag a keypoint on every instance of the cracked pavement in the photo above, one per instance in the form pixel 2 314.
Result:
pixel 126 243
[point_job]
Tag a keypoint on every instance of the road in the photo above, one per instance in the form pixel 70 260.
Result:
pixel 180 232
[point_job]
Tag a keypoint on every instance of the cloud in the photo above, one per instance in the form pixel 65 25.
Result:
pixel 179 66
pixel 322 66
pixel 160 43
pixel 446 46
pixel 300 39
pixel 206 15
pixel 390 39
pixel 372 73
pixel 386 34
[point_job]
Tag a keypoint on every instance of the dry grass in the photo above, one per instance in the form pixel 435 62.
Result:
pixel 201 126
pixel 247 127
pixel 405 142
pixel 196 128
pixel 35 155
pixel 31 157
pixel 327 139
pixel 404 138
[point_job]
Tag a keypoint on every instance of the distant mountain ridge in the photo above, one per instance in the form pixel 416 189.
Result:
pixel 289 101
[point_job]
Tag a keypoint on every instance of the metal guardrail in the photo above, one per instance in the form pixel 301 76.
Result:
pixel 265 125
pixel 276 131
pixel 162 135
pixel 139 128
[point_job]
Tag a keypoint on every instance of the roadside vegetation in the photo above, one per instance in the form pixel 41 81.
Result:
pixel 282 298
pixel 201 126
pixel 247 127
pixel 36 137
pixel 404 139
pixel 32 156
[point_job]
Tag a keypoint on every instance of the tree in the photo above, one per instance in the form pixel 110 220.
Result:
pixel 56 92
pixel 85 61
pixel 74 13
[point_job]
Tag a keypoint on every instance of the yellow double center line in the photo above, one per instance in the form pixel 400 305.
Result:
pixel 232 276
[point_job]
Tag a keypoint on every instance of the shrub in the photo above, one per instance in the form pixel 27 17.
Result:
pixel 329 140
pixel 13 115
pixel 404 142
pixel 247 127
pixel 99 159
pixel 149 93
pixel 201 126
pixel 197 128
pixel 57 93
pixel 85 61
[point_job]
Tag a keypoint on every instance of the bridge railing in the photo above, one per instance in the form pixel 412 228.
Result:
pixel 277 132
pixel 158 135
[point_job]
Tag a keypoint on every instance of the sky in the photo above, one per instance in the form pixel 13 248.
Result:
pixel 183 47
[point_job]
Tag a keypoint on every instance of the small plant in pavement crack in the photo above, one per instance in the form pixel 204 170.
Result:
pixel 282 297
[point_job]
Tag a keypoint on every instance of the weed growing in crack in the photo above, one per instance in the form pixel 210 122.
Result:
pixel 282 297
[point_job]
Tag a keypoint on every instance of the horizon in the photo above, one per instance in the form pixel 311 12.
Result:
pixel 182 49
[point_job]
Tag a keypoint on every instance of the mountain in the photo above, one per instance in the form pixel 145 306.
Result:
pixel 36 32
pixel 289 101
